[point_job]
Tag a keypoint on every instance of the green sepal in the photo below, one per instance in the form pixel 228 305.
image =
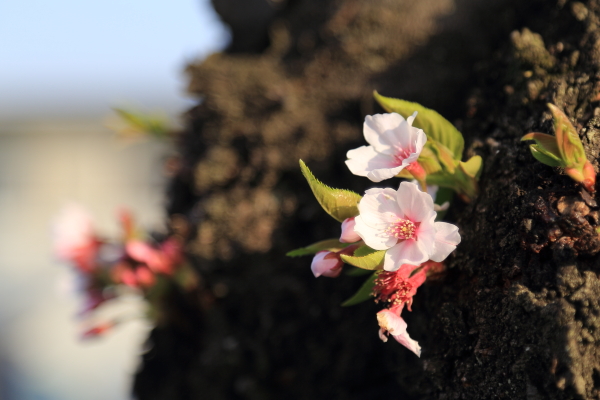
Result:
pixel 329 244
pixel 363 294
pixel 433 124
pixel 339 203
pixel 370 261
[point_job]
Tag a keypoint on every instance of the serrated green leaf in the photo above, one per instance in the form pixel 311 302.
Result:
pixel 363 251
pixel 371 261
pixel 363 294
pixel 433 124
pixel 329 244
pixel 544 157
pixel 339 203
pixel 472 167
pixel 567 139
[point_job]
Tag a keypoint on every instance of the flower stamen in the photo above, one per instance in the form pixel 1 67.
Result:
pixel 403 229
pixel 392 288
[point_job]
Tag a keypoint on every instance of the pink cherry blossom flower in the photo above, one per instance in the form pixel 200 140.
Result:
pixel 349 235
pixel 326 263
pixel 403 223
pixel 394 144
pixel 74 237
pixel 397 289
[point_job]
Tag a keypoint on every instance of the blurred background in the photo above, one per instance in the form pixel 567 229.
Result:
pixel 63 65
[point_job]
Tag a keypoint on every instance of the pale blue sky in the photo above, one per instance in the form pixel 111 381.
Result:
pixel 74 57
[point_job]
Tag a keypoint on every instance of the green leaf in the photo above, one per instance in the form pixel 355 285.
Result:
pixel 567 139
pixel 545 157
pixel 363 294
pixel 363 251
pixel 371 261
pixel 339 203
pixel 329 244
pixel 472 167
pixel 433 124
pixel 544 143
pixel 443 155
pixel 428 161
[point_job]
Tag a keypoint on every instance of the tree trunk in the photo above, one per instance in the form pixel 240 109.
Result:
pixel 516 316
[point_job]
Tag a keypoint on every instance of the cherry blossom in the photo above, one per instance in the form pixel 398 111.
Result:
pixel 326 263
pixel 349 235
pixel 394 144
pixel 403 223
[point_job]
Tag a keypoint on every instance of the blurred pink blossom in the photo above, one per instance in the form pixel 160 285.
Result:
pixel 74 237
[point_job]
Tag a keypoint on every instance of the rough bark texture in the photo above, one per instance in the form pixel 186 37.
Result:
pixel 517 315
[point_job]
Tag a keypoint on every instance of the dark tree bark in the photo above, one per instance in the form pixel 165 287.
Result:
pixel 516 316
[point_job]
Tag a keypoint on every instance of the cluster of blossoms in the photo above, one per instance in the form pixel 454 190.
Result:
pixel 391 232
pixel 107 270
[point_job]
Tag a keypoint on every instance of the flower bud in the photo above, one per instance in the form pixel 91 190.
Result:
pixel 327 264
pixel 349 235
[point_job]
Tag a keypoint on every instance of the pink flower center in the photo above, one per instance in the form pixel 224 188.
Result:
pixel 403 229
pixel 392 288
pixel 401 155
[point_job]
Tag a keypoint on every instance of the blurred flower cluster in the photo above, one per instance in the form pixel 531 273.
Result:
pixel 395 234
pixel 107 270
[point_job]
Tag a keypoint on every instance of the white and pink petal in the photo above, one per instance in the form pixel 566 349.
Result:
pixel 408 251
pixel 446 240
pixel 390 322
pixel 415 204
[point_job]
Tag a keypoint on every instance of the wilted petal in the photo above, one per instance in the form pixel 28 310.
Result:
pixel 405 252
pixel 327 264
pixel 405 340
pixel 446 240
pixel 396 326
pixel 349 235
pixel 415 205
